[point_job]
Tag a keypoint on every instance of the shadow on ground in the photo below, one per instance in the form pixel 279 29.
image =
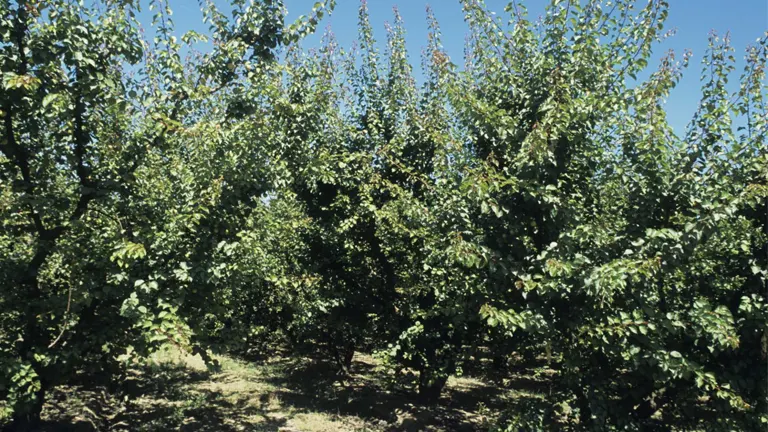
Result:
pixel 162 397
pixel 368 393
pixel 283 394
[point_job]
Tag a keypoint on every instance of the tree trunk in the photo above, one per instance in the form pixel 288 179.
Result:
pixel 585 410
pixel 500 362
pixel 28 420
pixel 344 356
pixel 431 384
pixel 348 355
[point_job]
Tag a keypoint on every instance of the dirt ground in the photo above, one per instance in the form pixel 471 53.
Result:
pixel 286 394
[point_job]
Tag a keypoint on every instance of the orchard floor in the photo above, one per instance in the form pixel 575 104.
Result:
pixel 290 394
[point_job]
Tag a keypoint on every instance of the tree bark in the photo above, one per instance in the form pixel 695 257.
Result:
pixel 431 384
pixel 29 420
pixel 344 356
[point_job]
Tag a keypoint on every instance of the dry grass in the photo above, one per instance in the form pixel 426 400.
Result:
pixel 176 392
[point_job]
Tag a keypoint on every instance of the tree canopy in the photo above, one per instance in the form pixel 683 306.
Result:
pixel 532 201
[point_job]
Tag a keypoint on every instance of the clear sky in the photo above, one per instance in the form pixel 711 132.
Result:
pixel 746 20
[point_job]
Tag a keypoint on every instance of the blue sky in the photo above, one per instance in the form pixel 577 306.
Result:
pixel 746 20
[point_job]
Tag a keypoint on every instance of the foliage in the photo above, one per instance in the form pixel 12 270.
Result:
pixel 118 181
pixel 633 252
pixel 535 202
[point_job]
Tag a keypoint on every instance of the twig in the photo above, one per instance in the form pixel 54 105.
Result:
pixel 66 315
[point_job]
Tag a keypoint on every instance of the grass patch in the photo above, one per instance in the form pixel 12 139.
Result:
pixel 175 392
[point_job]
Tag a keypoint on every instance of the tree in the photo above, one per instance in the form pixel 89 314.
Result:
pixel 106 154
pixel 535 202
pixel 62 102
pixel 618 232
